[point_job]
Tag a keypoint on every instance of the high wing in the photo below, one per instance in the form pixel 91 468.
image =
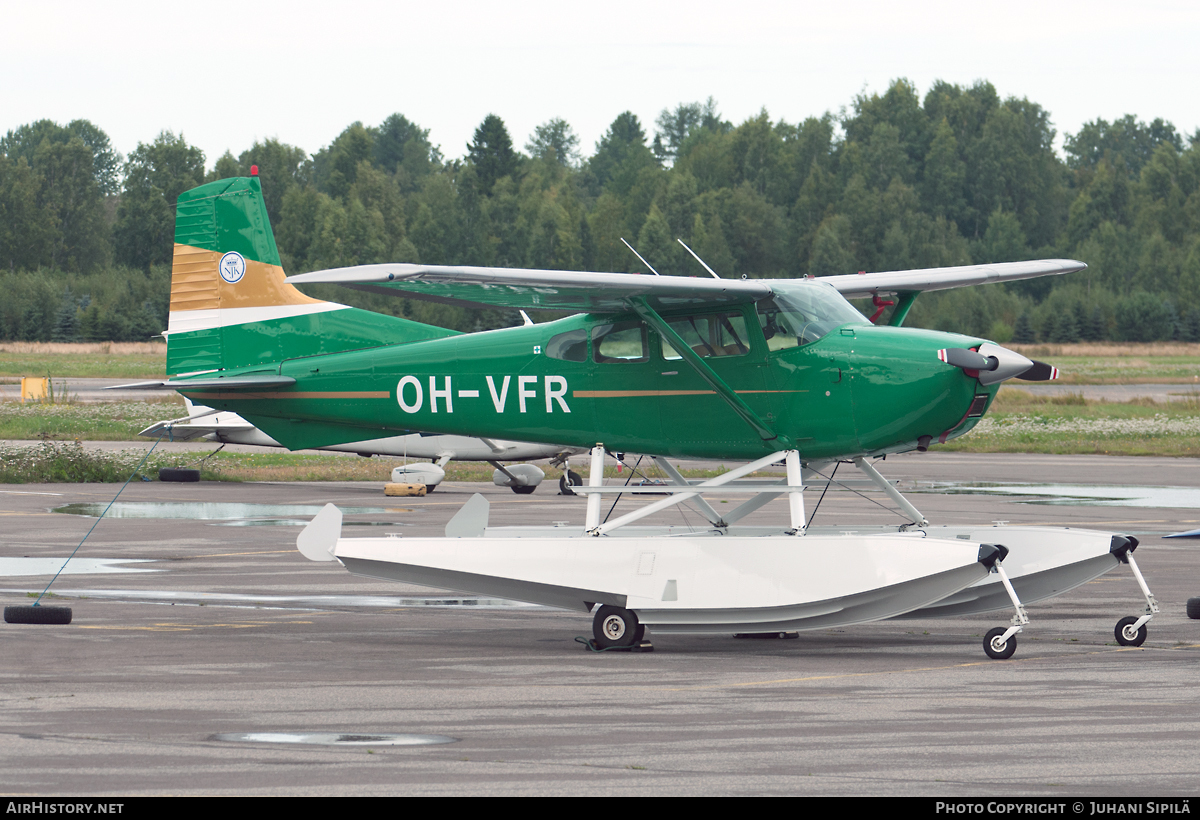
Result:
pixel 575 291
pixel 592 292
pixel 856 285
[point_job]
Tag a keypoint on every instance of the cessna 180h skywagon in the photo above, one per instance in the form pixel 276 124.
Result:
pixel 757 370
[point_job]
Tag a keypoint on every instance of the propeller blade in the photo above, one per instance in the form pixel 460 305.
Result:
pixel 966 359
pixel 1040 372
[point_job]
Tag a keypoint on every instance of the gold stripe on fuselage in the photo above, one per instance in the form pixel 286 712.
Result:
pixel 625 394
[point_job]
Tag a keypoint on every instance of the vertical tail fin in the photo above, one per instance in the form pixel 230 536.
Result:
pixel 230 305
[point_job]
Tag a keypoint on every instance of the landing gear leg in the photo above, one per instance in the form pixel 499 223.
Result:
pixel 1000 643
pixel 1131 631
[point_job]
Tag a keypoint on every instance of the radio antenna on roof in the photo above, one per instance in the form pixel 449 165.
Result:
pixel 697 258
pixel 639 256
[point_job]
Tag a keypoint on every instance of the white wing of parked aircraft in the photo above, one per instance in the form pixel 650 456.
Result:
pixel 212 425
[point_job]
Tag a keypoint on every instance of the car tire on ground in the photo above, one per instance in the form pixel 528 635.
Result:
pixel 37 614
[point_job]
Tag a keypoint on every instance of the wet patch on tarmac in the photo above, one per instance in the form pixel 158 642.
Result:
pixel 308 602
pixel 227 514
pixel 205 511
pixel 1076 494
pixel 15 567
pixel 335 738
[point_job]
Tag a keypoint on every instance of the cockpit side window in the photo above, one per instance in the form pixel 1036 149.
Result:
pixel 621 342
pixel 711 334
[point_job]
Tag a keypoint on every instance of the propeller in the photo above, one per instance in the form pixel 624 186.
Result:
pixel 992 364
pixel 1040 372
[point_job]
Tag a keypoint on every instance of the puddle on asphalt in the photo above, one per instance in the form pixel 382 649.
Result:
pixel 314 602
pixel 230 514
pixel 297 522
pixel 337 738
pixel 1077 494
pixel 14 567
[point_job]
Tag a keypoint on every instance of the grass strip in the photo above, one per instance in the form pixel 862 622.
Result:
pixel 107 421
pixel 69 462
pixel 99 360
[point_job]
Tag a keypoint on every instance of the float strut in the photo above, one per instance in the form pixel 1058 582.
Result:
pixel 892 493
pixel 795 478
pixel 595 479
pixel 596 528
pixel 706 509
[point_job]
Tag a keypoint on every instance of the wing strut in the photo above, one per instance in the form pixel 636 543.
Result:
pixel 651 317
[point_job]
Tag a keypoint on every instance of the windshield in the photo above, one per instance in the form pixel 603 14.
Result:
pixel 801 312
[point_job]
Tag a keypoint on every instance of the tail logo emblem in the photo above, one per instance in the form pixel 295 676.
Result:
pixel 233 267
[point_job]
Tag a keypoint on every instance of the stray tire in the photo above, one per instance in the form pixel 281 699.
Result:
pixel 57 615
pixel 614 626
pixel 1126 635
pixel 1193 608
pixel 999 651
pixel 524 490
pixel 178 474
pixel 568 480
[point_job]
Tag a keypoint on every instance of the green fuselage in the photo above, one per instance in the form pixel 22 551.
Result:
pixel 857 390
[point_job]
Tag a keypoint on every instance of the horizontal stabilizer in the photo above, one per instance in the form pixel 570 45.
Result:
pixel 218 383
pixel 161 384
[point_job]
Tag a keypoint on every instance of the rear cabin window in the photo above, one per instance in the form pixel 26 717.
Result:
pixel 622 342
pixel 713 334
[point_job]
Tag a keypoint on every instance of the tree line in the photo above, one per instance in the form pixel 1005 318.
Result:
pixel 893 182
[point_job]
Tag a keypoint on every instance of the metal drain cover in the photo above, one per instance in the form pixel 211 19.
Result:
pixel 337 738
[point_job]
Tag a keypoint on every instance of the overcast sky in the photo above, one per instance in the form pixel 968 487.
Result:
pixel 227 73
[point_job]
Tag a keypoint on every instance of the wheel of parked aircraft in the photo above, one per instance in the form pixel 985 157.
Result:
pixel 1193 608
pixel 568 480
pixel 614 626
pixel 524 490
pixel 997 648
pixel 1126 635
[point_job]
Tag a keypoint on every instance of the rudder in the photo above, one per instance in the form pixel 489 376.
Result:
pixel 230 305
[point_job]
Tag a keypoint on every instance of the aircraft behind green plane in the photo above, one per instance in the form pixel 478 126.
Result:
pixel 756 370
pixel 672 366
